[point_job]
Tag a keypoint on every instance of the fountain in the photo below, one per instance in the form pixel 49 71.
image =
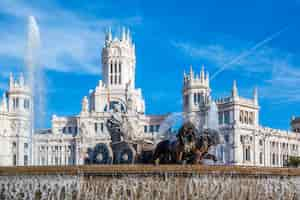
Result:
pixel 149 182
pixel 35 78
pixel 140 181
pixel 34 73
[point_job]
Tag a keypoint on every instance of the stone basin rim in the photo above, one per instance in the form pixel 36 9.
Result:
pixel 147 170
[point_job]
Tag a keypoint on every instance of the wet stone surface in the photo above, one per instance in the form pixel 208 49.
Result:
pixel 165 186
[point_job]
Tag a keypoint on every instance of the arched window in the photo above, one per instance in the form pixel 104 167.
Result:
pixel 112 104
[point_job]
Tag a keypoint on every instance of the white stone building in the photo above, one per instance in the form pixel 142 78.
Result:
pixel 68 140
pixel 15 124
pixel 246 142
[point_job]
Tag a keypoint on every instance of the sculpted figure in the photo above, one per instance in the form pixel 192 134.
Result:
pixel 115 125
pixel 190 147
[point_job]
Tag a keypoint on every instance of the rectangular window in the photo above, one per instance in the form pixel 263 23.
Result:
pixel 14 160
pixel 70 129
pixel 246 117
pixel 241 116
pixel 195 98
pixel 220 117
pixel 145 129
pixel 116 78
pixel 248 154
pixel 116 66
pixel 226 117
pixel 111 68
pixel 260 157
pixel 157 128
pixel 56 160
pixel 151 128
pixel 102 127
pixel 111 79
pixel 25 160
pixel 96 127
pixel 226 138
pixel 17 102
pixel 251 118
pixel 14 103
pixel 26 104
pixel 76 129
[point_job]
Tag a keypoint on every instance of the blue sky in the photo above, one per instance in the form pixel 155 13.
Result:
pixel 170 36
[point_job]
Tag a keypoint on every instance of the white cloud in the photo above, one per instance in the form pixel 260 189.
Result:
pixel 70 42
pixel 277 70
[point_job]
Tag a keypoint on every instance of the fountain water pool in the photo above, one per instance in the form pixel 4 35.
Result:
pixel 150 182
pixel 148 187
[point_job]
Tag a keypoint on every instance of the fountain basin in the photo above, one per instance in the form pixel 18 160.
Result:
pixel 140 169
pixel 149 182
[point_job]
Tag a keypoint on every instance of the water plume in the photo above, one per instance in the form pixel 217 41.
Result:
pixel 35 73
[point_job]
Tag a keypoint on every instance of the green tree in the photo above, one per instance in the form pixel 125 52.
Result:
pixel 294 161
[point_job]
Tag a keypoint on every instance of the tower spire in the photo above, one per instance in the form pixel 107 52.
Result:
pixel 108 34
pixel 202 74
pixel 123 34
pixel 11 80
pixel 255 96
pixel 22 81
pixel 85 105
pixel 234 89
pixel 128 35
pixel 3 103
pixel 207 79
pixel 191 72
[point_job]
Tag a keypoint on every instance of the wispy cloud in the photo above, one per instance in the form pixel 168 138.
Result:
pixel 277 70
pixel 71 42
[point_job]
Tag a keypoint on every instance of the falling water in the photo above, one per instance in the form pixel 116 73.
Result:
pixel 213 123
pixel 212 117
pixel 35 75
pixel 173 122
pixel 206 186
pixel 166 126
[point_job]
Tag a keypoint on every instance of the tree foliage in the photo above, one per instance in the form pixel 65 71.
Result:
pixel 294 161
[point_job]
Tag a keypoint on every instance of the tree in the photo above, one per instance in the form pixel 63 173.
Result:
pixel 294 161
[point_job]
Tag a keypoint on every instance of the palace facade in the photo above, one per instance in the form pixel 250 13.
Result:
pixel 246 142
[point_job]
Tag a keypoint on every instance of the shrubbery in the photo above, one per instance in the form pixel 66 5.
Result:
pixel 294 161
